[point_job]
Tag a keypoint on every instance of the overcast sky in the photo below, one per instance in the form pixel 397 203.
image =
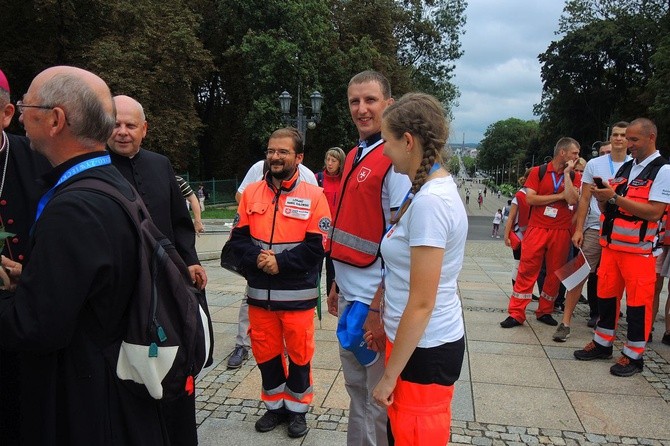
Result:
pixel 499 73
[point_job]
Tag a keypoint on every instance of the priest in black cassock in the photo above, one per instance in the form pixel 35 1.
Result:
pixel 153 177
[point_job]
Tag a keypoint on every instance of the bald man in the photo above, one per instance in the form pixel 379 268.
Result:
pixel 152 176
pixel 70 303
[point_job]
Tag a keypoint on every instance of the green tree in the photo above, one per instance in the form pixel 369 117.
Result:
pixel 141 48
pixel 209 72
pixel 470 165
pixel 598 72
pixel 454 165
pixel 511 142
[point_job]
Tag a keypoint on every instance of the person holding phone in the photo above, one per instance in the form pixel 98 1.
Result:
pixel 598 171
pixel 632 205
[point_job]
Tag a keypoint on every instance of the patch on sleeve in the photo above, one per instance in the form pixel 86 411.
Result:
pixel 324 225
pixel 236 220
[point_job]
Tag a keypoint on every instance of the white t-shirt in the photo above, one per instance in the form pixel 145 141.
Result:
pixel 436 217
pixel 497 218
pixel 605 168
pixel 660 188
pixel 361 283
pixel 255 173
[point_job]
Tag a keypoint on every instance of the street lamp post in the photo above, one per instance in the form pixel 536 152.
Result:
pixel 301 121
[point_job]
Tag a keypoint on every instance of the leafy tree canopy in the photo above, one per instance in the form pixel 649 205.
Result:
pixel 603 69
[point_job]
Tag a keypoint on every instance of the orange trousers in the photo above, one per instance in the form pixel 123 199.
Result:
pixel 637 275
pixel 420 414
pixel 285 387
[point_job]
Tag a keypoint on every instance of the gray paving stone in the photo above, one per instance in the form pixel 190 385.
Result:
pixel 484 413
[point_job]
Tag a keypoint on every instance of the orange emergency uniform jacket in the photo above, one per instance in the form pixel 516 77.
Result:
pixel 359 222
pixel 622 231
pixel 293 222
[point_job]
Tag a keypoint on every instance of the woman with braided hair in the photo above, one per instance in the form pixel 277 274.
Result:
pixel 423 254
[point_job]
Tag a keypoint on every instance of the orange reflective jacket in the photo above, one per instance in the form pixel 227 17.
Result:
pixel 621 230
pixel 292 221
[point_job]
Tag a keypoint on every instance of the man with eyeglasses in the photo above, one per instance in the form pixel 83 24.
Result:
pixel 70 301
pixel 278 235
pixel 242 342
pixel 20 167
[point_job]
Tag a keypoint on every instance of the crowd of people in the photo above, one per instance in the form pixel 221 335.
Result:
pixel 68 281
pixel 391 282
pixel 614 215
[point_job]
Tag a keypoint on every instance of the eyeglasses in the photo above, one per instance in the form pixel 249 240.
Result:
pixel 21 106
pixel 281 153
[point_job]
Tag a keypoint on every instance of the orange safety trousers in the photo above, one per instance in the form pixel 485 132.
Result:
pixel 637 275
pixel 285 386
pixel 420 413
pixel 539 245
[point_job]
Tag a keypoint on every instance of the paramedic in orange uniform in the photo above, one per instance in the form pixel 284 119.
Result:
pixel 631 204
pixel 279 237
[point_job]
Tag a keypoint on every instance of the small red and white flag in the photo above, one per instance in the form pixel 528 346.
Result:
pixel 574 272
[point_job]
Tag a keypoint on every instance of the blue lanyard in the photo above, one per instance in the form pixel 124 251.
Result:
pixel 611 164
pixel 557 185
pixel 72 171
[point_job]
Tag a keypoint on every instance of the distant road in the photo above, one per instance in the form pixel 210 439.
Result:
pixel 479 228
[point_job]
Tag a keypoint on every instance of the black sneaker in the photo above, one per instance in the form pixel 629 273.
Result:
pixel 510 322
pixel 666 338
pixel 547 319
pixel 582 299
pixel 237 357
pixel 593 351
pixel 626 366
pixel 297 425
pixel 592 322
pixel 269 421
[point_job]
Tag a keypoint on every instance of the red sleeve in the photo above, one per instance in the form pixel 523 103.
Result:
pixel 533 180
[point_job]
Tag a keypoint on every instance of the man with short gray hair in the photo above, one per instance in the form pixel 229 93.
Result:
pixel 70 304
pixel 550 190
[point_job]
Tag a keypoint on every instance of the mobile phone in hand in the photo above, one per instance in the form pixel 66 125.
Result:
pixel 599 182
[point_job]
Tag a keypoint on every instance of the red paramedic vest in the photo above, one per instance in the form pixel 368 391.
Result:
pixel 359 222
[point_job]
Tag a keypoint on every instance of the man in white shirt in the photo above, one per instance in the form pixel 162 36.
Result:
pixel 632 205
pixel 587 225
pixel 367 178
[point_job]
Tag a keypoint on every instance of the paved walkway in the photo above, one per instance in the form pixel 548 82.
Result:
pixel 517 386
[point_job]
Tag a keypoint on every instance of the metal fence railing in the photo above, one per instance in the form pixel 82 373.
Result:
pixel 219 191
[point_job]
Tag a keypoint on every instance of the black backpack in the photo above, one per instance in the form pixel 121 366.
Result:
pixel 169 337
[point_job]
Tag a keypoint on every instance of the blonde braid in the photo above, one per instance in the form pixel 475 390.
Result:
pixel 422 116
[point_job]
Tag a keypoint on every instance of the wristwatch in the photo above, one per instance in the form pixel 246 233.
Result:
pixel 613 199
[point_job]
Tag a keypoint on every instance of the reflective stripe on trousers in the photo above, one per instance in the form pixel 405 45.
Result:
pixel 284 386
